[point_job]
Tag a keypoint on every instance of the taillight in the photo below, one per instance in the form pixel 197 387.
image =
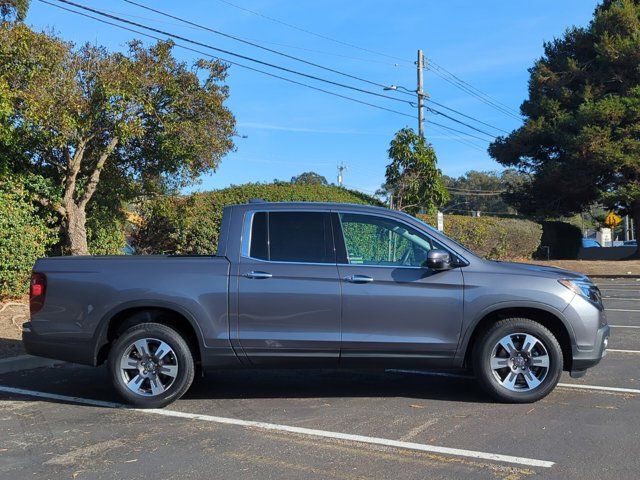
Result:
pixel 37 292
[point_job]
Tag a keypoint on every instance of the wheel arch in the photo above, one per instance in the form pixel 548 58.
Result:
pixel 119 318
pixel 551 319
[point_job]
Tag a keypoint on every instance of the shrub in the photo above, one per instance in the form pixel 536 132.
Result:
pixel 562 238
pixel 492 237
pixel 190 225
pixel 24 236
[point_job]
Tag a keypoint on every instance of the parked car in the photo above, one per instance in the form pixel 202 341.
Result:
pixel 312 285
pixel 590 243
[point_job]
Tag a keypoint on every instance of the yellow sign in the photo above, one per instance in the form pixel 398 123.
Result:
pixel 612 220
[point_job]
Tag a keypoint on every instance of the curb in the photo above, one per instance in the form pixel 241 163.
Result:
pixel 26 362
pixel 613 276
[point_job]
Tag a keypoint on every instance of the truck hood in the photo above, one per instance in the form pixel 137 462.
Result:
pixel 538 270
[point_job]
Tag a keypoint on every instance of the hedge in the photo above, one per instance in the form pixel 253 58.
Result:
pixel 563 239
pixel 493 237
pixel 24 236
pixel 190 225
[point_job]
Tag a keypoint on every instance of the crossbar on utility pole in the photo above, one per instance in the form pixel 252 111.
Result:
pixel 420 92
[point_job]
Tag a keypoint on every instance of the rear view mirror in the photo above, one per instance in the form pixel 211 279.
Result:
pixel 438 260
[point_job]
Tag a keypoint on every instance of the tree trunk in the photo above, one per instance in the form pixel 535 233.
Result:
pixel 76 229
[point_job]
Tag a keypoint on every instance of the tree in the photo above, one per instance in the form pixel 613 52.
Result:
pixel 16 9
pixel 481 191
pixel 581 137
pixel 310 178
pixel 413 179
pixel 79 120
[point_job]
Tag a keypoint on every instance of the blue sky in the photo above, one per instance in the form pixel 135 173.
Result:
pixel 291 129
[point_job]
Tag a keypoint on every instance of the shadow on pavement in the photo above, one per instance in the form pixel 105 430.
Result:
pixel 94 383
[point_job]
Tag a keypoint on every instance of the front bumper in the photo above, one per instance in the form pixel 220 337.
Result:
pixel 583 359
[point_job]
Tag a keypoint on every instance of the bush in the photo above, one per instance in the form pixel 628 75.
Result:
pixel 24 236
pixel 562 238
pixel 190 225
pixel 492 237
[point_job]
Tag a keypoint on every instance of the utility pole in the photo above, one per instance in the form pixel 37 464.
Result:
pixel 420 92
pixel 341 168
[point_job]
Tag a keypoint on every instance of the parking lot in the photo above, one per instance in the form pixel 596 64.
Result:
pixel 65 422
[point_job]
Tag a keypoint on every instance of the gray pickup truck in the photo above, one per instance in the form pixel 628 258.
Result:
pixel 313 285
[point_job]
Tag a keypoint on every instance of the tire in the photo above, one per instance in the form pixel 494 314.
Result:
pixel 151 365
pixel 528 373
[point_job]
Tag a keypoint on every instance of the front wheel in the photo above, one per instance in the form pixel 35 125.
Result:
pixel 518 361
pixel 151 365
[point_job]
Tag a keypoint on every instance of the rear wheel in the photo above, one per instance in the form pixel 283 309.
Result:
pixel 151 365
pixel 518 361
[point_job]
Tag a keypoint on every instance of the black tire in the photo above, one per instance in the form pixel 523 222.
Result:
pixel 180 355
pixel 491 382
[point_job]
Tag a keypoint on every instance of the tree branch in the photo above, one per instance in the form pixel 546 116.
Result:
pixel 73 167
pixel 56 207
pixel 95 175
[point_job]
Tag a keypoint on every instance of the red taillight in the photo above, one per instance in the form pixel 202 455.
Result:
pixel 37 292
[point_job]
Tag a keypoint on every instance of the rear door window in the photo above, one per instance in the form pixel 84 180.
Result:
pixel 304 237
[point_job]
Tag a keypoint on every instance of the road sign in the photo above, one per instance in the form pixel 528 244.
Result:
pixel 612 220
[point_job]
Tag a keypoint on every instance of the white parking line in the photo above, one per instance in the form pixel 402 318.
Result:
pixel 619 310
pixel 622 298
pixel 565 385
pixel 531 462
pixel 615 350
pixel 599 388
pixel 624 326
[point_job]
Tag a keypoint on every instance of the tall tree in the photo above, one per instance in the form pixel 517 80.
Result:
pixel 581 136
pixel 310 178
pixel 482 191
pixel 85 119
pixel 13 9
pixel 413 179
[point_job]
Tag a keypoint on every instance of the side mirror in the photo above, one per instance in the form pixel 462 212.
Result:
pixel 438 260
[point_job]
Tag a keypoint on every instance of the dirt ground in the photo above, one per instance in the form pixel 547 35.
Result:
pixel 12 315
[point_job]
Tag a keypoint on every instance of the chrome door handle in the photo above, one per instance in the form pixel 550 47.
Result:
pixel 358 279
pixel 258 275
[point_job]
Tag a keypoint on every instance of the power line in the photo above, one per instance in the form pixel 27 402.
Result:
pixel 458 138
pixel 228 52
pixel 256 45
pixel 480 92
pixel 253 44
pixel 433 110
pixel 229 61
pixel 482 97
pixel 120 19
pixel 315 34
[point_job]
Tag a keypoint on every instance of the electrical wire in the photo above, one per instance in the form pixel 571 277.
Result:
pixel 229 61
pixel 228 52
pixel 319 35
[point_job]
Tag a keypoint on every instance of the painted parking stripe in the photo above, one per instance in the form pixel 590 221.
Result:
pixel 622 298
pixel 620 310
pixel 616 350
pixel 565 385
pixel 599 388
pixel 624 326
pixel 531 462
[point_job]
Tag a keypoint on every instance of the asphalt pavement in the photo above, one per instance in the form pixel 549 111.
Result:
pixel 66 422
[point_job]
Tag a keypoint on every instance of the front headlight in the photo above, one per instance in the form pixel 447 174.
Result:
pixel 585 289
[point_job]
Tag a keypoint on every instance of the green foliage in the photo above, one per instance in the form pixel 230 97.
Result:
pixel 24 236
pixel 476 181
pixel 312 178
pixel 13 9
pixel 105 231
pixel 492 237
pixel 190 225
pixel 413 178
pixel 581 136
pixel 562 238
pixel 132 123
